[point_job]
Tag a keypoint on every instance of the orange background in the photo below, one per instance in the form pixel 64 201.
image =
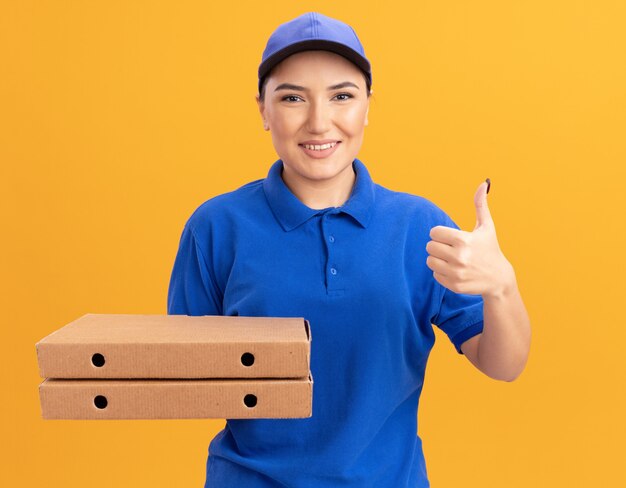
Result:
pixel 119 118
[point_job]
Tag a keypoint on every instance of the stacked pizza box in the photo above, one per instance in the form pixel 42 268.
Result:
pixel 124 366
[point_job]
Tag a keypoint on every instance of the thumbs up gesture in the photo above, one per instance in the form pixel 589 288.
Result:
pixel 470 262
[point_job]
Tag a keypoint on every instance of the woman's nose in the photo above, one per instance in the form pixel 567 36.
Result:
pixel 319 118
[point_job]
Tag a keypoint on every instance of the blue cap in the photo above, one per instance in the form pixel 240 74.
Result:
pixel 313 30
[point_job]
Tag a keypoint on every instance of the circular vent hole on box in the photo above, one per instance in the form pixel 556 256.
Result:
pixel 97 360
pixel 250 400
pixel 100 401
pixel 247 359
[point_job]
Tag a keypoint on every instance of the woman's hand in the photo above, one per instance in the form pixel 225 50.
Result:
pixel 471 262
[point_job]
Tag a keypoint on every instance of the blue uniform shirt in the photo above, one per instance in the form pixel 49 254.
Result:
pixel 358 273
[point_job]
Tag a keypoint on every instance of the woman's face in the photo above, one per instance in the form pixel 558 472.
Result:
pixel 315 97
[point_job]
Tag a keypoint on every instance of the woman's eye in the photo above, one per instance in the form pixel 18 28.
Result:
pixel 290 96
pixel 345 95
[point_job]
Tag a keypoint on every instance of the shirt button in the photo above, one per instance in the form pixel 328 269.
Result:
pixel 333 271
pixel 331 238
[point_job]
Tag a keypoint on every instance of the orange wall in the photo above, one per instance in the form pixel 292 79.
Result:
pixel 118 118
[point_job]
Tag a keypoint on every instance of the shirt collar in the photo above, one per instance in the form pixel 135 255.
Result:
pixel 291 212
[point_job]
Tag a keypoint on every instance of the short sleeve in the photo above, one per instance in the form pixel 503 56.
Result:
pixel 192 289
pixel 460 315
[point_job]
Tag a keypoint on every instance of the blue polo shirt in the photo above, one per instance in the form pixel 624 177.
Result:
pixel 358 273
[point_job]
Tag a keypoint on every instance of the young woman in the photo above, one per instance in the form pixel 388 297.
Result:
pixel 317 238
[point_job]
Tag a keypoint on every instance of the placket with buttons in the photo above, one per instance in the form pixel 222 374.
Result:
pixel 334 281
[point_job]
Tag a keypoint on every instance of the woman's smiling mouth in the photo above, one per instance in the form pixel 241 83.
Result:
pixel 319 151
pixel 318 147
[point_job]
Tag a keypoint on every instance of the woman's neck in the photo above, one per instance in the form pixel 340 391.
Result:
pixel 319 194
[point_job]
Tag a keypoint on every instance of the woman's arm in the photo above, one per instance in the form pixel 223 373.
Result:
pixel 501 350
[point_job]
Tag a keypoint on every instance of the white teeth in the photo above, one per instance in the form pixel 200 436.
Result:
pixel 320 148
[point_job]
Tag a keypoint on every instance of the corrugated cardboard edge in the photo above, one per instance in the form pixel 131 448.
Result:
pixel 307 327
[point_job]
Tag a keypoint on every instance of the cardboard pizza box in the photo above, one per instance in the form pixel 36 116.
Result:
pixel 125 346
pixel 176 399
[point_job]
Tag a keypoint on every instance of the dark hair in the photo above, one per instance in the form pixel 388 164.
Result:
pixel 264 82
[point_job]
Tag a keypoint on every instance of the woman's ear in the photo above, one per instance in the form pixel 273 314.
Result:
pixel 261 106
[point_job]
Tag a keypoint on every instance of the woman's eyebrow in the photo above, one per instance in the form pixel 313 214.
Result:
pixel 290 86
